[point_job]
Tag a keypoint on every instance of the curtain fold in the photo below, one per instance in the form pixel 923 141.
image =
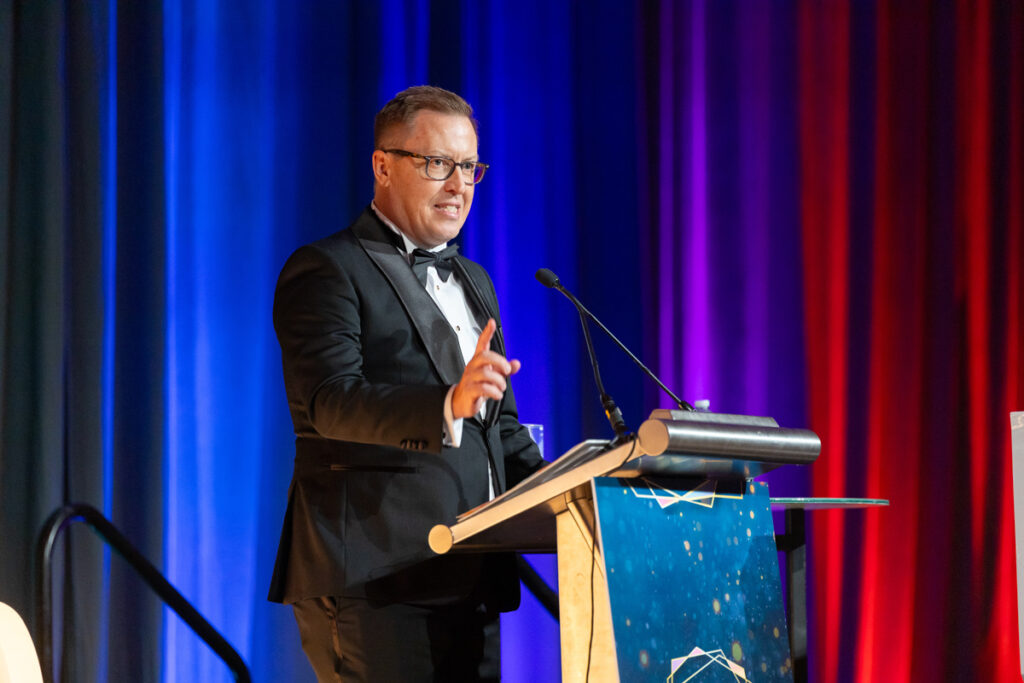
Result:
pixel 32 257
pixel 942 332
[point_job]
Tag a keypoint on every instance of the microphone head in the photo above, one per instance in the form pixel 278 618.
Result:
pixel 546 278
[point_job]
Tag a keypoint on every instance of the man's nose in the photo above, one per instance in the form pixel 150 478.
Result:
pixel 456 183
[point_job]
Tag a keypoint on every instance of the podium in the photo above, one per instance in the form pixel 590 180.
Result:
pixel 667 563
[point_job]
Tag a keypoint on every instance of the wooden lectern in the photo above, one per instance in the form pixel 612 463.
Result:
pixel 667 564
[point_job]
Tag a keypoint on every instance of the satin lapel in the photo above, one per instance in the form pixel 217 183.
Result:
pixel 437 335
pixel 483 310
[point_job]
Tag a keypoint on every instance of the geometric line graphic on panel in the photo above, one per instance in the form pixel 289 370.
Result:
pixel 699 661
pixel 703 494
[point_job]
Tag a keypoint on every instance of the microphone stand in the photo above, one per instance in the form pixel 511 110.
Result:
pixel 611 411
pixel 547 278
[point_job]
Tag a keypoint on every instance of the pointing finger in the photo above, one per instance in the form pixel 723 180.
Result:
pixel 484 342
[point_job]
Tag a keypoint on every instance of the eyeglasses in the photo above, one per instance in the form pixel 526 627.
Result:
pixel 441 168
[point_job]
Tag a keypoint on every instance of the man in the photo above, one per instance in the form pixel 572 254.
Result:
pixel 397 384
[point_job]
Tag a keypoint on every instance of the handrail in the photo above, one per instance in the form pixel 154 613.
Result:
pixel 535 583
pixel 82 512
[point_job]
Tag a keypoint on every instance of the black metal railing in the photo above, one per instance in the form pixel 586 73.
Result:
pixel 81 512
pixel 535 583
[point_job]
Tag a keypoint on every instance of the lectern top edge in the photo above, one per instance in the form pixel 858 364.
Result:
pixel 704 445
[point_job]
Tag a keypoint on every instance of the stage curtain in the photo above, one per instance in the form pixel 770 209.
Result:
pixel 807 210
pixel 81 212
pixel 834 221
pixel 911 210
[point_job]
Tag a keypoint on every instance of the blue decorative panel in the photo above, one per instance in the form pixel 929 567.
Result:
pixel 693 578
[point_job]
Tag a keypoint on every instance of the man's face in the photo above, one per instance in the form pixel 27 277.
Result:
pixel 430 212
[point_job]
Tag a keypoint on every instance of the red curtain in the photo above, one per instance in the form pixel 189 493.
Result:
pixel 912 141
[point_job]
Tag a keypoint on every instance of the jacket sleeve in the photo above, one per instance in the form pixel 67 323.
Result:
pixel 318 317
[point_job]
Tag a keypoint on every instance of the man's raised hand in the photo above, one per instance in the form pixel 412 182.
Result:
pixel 484 376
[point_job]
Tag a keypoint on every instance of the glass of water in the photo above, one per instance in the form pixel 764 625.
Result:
pixel 537 434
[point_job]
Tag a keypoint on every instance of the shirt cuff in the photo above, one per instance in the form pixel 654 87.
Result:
pixel 452 425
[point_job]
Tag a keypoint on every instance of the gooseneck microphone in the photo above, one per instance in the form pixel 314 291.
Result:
pixel 611 411
pixel 550 280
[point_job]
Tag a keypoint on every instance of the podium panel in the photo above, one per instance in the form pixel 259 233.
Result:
pixel 693 580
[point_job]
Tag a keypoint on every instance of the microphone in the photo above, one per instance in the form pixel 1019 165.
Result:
pixel 611 411
pixel 551 281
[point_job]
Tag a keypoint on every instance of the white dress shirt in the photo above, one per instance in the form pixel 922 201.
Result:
pixel 451 299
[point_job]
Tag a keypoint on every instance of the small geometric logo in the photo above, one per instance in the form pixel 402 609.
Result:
pixel 699 662
pixel 703 494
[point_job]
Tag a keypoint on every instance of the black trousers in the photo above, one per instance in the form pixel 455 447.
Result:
pixel 353 639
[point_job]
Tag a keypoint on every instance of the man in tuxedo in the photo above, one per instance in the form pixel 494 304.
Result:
pixel 397 383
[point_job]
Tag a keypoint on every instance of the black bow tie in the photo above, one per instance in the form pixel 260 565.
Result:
pixel 442 260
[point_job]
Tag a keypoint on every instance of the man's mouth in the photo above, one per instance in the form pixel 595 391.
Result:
pixel 450 210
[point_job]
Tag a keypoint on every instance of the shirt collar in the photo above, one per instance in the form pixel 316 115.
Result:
pixel 409 245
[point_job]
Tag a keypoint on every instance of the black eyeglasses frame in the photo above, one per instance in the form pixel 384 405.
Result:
pixel 477 167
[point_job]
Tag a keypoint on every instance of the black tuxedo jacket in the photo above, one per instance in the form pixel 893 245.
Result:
pixel 368 359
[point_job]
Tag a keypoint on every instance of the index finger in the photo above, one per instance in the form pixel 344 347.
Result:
pixel 484 342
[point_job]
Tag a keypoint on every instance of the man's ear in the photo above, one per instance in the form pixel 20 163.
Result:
pixel 381 168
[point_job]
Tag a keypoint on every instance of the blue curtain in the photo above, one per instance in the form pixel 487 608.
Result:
pixel 224 135
pixel 268 120
pixel 230 133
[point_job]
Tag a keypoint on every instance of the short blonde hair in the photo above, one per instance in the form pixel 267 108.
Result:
pixel 404 106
